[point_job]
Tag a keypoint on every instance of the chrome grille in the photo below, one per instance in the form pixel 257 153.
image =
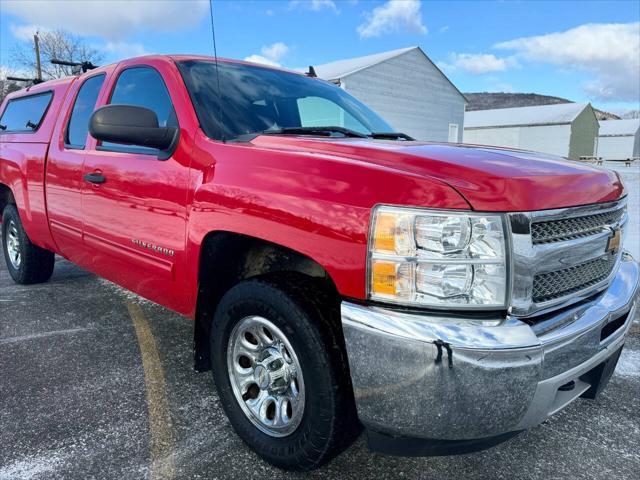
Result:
pixel 551 285
pixel 561 256
pixel 570 228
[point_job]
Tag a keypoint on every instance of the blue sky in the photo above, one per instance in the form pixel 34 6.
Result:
pixel 583 51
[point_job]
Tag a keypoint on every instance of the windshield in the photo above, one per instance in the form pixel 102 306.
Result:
pixel 257 99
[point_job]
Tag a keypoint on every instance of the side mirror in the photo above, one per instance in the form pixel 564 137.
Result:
pixel 132 125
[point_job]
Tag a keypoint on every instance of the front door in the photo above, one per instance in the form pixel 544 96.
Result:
pixel 134 204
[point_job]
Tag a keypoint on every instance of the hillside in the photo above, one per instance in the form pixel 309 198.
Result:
pixel 631 114
pixel 488 101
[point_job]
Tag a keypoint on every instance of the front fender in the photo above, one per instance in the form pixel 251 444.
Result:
pixel 315 204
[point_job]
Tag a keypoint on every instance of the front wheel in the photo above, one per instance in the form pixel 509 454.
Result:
pixel 280 370
pixel 27 263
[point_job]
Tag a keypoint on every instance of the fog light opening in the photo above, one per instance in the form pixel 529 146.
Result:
pixel 567 387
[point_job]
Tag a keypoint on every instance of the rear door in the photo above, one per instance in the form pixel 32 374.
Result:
pixel 135 217
pixel 64 168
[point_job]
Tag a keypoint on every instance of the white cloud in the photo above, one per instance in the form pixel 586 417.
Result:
pixel 608 52
pixel 260 59
pixel 318 5
pixel 275 51
pixel 104 18
pixel 120 50
pixel 271 54
pixel 444 28
pixel 315 5
pixel 393 16
pixel 26 32
pixel 477 63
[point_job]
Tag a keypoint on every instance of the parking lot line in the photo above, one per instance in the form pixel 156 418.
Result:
pixel 161 461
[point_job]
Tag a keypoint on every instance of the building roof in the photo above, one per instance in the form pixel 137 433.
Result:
pixel 560 113
pixel 619 127
pixel 339 69
pixel 342 68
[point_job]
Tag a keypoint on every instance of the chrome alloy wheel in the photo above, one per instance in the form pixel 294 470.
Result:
pixel 266 377
pixel 13 245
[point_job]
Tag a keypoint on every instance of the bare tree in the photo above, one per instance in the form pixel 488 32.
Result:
pixel 58 44
pixel 7 86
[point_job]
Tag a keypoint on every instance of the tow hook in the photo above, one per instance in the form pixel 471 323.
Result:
pixel 439 345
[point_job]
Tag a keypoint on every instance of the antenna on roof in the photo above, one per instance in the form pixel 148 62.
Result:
pixel 215 58
pixel 78 67
pixel 35 81
pixel 311 72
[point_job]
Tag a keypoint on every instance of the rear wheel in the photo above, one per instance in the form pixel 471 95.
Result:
pixel 280 370
pixel 26 262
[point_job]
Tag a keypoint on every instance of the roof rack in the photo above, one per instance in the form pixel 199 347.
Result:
pixel 78 67
pixel 35 81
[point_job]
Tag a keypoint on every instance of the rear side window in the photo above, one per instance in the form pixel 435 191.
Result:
pixel 24 114
pixel 83 108
pixel 143 87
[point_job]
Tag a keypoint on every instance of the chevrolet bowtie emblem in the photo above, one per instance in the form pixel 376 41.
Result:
pixel 613 244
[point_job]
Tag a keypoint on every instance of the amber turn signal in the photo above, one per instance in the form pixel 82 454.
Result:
pixel 385 233
pixel 384 278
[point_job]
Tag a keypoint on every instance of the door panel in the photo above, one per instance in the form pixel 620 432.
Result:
pixel 64 182
pixel 134 220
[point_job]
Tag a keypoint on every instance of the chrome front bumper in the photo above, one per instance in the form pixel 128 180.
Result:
pixel 451 378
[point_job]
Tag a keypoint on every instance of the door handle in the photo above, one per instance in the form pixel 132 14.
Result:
pixel 95 178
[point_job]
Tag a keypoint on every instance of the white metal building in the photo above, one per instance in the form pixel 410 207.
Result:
pixel 406 88
pixel 619 139
pixel 567 129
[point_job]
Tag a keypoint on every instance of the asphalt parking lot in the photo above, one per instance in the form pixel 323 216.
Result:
pixel 74 403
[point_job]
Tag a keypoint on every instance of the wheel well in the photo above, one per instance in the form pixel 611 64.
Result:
pixel 227 258
pixel 6 198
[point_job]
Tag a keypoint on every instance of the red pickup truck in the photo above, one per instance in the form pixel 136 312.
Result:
pixel 340 275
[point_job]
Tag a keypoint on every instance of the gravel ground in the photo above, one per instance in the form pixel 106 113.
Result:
pixel 73 402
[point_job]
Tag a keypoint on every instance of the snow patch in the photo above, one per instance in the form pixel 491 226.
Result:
pixel 629 364
pixel 31 467
pixel 631 178
pixel 127 294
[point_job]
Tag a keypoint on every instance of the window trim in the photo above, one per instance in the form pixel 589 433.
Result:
pixel 49 92
pixel 65 135
pixel 132 148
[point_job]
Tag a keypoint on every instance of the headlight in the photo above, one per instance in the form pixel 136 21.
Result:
pixel 437 259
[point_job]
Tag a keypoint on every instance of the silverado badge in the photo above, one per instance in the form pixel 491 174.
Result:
pixel 150 246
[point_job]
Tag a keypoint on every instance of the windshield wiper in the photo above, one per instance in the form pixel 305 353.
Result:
pixel 390 136
pixel 324 131
pixel 327 131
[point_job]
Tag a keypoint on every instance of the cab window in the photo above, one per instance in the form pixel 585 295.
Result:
pixel 83 107
pixel 143 87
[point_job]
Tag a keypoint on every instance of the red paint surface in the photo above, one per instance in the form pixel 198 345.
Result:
pixel 308 194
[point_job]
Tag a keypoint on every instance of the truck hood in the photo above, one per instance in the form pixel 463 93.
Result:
pixel 489 178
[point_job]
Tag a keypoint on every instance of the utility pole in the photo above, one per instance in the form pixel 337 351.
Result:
pixel 36 41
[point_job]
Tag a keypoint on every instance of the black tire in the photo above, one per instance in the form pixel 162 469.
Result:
pixel 329 423
pixel 36 265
